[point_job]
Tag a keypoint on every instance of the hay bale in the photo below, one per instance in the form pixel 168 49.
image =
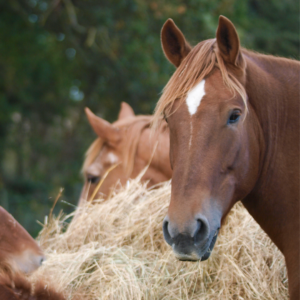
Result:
pixel 116 250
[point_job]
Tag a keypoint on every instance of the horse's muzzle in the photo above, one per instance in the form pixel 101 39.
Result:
pixel 195 243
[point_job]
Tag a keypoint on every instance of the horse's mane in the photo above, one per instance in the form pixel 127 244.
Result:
pixel 18 287
pixel 198 64
pixel 134 127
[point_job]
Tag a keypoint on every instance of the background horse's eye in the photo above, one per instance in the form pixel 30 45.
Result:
pixel 234 117
pixel 93 179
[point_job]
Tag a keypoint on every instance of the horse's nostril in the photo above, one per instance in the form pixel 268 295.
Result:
pixel 166 233
pixel 202 231
pixel 42 259
pixel 199 225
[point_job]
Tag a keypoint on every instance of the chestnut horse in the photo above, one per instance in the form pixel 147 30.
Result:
pixel 233 117
pixel 18 249
pixel 18 287
pixel 129 145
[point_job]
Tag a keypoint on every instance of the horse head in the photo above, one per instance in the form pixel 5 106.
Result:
pixel 121 151
pixel 215 138
pixel 17 248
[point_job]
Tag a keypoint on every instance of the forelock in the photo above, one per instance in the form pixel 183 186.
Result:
pixel 198 64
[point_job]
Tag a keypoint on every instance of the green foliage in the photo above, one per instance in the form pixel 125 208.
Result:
pixel 56 57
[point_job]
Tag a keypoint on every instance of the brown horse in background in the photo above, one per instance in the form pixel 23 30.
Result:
pixel 234 134
pixel 18 249
pixel 129 145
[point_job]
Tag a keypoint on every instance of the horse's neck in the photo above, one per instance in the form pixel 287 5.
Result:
pixel 273 91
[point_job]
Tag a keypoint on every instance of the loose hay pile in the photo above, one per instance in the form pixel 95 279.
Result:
pixel 116 250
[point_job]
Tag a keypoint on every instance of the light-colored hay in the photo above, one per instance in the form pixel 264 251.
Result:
pixel 116 250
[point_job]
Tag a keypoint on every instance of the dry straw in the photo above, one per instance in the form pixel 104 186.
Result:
pixel 116 250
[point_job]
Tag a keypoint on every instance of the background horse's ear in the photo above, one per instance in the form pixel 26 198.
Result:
pixel 228 41
pixel 102 128
pixel 174 44
pixel 126 111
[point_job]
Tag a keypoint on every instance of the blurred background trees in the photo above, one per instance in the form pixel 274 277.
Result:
pixel 56 57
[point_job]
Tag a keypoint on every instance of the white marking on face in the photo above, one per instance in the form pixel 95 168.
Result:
pixel 195 96
pixel 191 134
pixel 112 158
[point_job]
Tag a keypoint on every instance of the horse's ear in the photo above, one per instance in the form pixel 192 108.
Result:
pixel 228 41
pixel 126 111
pixel 102 128
pixel 174 44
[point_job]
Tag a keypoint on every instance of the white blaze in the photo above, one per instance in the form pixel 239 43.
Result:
pixel 191 134
pixel 112 158
pixel 195 96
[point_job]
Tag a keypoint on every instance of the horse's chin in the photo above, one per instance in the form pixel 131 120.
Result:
pixel 195 256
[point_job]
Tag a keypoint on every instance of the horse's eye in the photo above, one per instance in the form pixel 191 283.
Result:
pixel 93 179
pixel 234 117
